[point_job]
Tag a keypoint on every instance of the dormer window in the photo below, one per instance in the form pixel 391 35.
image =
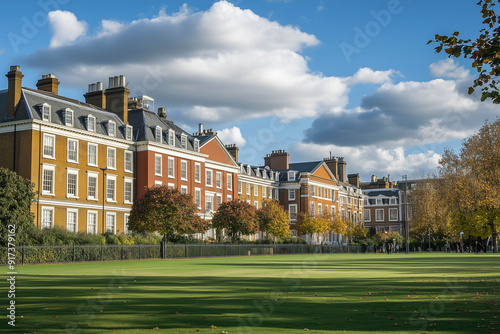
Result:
pixel 257 172
pixel 196 145
pixel 277 176
pixel 249 170
pixel 111 128
pixel 171 137
pixel 184 141
pixel 264 174
pixel 91 123
pixel 158 134
pixel 68 117
pixel 128 132
pixel 45 109
pixel 291 175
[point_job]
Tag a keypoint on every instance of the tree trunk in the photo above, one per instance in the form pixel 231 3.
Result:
pixel 494 237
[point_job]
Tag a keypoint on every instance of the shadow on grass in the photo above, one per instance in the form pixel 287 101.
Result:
pixel 403 300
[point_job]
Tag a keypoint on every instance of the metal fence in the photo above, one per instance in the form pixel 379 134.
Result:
pixel 91 253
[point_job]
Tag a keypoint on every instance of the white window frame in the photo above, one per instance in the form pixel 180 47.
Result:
pixel 158 165
pixel 184 170
pixel 89 145
pixel 276 194
pixel 218 201
pixel 111 128
pixel 376 215
pixel 320 209
pixel 110 158
pixel 196 145
pixel 264 192
pixel 171 186
pixel 392 201
pixel 256 190
pixel 367 215
pixel 290 211
pixel 108 179
pixel 51 169
pixel 128 132
pixel 397 213
pixel 197 197
pixel 113 215
pixel 229 179
pixel 184 141
pixel 126 217
pixel 75 212
pixel 75 151
pixel 51 222
pixel 95 215
pixel 171 137
pixel 75 174
pixel 197 172
pixel 291 175
pixel 240 187
pixel 128 155
pixel 68 112
pixel 209 202
pixel 184 190
pixel 312 209
pixel 126 181
pixel 53 146
pixel 291 194
pixel 91 123
pixel 96 177
pixel 171 168
pixel 46 107
pixel 218 180
pixel 229 198
pixel 378 201
pixel 158 134
pixel 256 205
pixel 248 189
pixel 209 174
pixel 158 183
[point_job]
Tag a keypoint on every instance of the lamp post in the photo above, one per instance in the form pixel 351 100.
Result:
pixel 405 219
pixel 103 198
pixel 461 242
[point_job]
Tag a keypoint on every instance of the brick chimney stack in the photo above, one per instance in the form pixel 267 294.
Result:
pixel 277 160
pixel 162 113
pixel 15 78
pixel 342 169
pixel 233 150
pixel 353 179
pixel 117 97
pixel 332 164
pixel 95 95
pixel 48 83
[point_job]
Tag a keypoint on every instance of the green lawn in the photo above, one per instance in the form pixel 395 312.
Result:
pixel 344 293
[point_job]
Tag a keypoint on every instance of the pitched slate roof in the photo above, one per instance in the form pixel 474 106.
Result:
pixel 253 171
pixel 145 123
pixel 384 192
pixel 31 100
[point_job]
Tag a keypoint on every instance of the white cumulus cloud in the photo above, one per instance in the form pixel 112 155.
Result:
pixel 65 27
pixel 231 136
pixel 448 68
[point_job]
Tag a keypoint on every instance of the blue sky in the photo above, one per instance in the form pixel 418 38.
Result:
pixel 313 77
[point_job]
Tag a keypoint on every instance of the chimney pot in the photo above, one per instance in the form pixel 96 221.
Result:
pixel 99 85
pixel 111 83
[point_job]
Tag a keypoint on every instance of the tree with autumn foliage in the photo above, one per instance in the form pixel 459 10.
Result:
pixel 431 210
pixel 484 51
pixel 323 223
pixel 471 180
pixel 237 218
pixel 167 212
pixel 273 219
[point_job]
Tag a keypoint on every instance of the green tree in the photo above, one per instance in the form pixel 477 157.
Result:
pixel 16 196
pixel 322 224
pixel 484 51
pixel 338 225
pixel 273 219
pixel 167 212
pixel 236 218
